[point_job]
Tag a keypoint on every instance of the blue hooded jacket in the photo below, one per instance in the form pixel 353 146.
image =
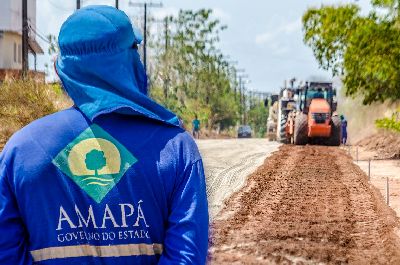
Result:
pixel 113 180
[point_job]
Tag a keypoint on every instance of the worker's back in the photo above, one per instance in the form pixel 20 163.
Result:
pixel 77 192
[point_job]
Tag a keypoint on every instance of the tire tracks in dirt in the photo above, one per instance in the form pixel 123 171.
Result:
pixel 306 205
pixel 223 182
pixel 228 176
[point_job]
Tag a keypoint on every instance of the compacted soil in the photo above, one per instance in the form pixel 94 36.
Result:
pixel 306 205
pixel 228 163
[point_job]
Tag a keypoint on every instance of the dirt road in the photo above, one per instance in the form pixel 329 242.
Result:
pixel 228 163
pixel 306 205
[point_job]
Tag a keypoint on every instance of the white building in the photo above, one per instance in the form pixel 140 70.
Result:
pixel 11 35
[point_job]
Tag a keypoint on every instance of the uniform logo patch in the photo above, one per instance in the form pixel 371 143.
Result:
pixel 95 161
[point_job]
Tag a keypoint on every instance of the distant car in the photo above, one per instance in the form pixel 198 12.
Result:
pixel 244 131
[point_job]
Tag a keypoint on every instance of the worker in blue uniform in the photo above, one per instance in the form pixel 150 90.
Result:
pixel 112 180
pixel 344 129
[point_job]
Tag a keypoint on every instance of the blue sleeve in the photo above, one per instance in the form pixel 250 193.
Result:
pixel 186 240
pixel 13 236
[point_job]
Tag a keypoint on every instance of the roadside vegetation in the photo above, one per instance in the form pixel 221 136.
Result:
pixel 390 123
pixel 364 50
pixel 257 118
pixel 21 102
pixel 191 76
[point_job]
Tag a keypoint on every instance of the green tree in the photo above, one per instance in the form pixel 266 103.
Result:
pixel 326 31
pixel 364 49
pixel 95 160
pixel 257 118
pixel 53 45
pixel 199 80
pixel 52 51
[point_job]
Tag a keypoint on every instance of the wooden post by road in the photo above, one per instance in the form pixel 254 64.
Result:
pixel 387 190
pixel 369 169
pixel 357 153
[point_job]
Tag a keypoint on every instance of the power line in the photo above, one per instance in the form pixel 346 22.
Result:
pixel 39 35
pixel 58 7
pixel 145 5
pixel 35 29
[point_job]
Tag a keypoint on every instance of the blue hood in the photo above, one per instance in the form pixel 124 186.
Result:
pixel 100 68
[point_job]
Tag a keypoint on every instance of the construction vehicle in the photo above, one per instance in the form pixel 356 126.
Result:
pixel 286 107
pixel 315 119
pixel 305 114
pixel 280 105
pixel 272 103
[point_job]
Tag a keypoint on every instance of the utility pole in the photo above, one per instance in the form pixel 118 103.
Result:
pixel 78 4
pixel 145 38
pixel 250 99
pixel 166 80
pixel 116 4
pixel 240 90
pixel 242 97
pixel 166 33
pixel 238 71
pixel 25 63
pixel 244 103
pixel 145 5
pixel 165 56
pixel 232 70
pixel 234 83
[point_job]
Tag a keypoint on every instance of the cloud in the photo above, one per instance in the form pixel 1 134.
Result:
pixel 49 17
pixel 285 29
pixel 292 26
pixel 163 12
pixel 279 40
pixel 174 11
pixel 264 38
pixel 221 14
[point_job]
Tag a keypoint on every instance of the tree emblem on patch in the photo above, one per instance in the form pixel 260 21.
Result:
pixel 95 161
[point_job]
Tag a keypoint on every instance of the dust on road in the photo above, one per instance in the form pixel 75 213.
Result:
pixel 227 164
pixel 306 205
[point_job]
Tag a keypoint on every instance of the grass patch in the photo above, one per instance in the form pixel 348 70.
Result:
pixel 23 101
pixel 390 123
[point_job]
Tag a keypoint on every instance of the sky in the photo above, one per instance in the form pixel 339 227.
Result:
pixel 264 37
